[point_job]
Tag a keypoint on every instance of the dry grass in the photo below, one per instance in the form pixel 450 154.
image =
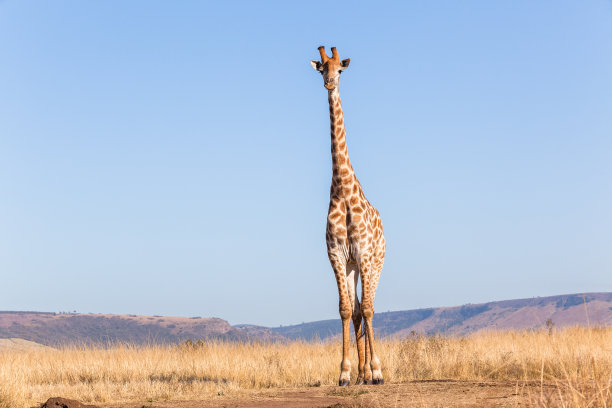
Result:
pixel 577 360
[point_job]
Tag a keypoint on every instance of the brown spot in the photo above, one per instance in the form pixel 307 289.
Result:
pixel 357 209
pixel 344 172
pixel 342 145
pixel 354 188
pixel 335 214
pixel 354 200
pixel 340 159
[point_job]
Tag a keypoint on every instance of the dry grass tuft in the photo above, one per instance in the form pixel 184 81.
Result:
pixel 577 360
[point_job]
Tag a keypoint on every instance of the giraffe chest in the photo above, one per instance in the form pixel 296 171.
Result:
pixel 348 229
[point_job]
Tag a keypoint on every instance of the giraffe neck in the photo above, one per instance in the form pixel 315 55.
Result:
pixel 341 165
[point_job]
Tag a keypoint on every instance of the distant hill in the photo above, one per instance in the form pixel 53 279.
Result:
pixel 57 329
pixel 20 344
pixel 593 309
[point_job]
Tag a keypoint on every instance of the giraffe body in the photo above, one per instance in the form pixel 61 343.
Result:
pixel 354 236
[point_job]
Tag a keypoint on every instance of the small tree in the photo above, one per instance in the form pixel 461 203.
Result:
pixel 550 325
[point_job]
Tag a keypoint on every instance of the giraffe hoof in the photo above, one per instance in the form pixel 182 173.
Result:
pixel 344 383
pixel 359 382
pixel 378 381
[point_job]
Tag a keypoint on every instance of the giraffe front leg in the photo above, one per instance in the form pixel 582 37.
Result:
pixel 374 366
pixel 345 365
pixel 345 314
pixel 367 311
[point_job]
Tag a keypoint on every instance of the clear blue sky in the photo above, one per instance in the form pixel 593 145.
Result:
pixel 173 158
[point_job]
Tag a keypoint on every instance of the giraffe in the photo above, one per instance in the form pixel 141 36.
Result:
pixel 354 235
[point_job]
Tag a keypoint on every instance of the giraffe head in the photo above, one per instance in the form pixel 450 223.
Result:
pixel 330 68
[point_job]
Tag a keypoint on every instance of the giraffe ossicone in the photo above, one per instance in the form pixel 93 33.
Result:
pixel 354 235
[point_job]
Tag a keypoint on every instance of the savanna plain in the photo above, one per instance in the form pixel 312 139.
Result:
pixel 569 367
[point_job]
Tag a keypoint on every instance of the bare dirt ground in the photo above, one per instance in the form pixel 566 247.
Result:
pixel 411 394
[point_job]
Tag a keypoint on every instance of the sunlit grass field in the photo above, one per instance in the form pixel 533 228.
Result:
pixel 578 360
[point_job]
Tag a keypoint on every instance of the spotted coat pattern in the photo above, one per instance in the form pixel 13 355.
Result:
pixel 354 236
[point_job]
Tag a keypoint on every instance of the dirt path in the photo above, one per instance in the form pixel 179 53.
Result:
pixel 412 394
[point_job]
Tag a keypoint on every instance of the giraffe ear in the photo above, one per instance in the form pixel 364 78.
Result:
pixel 317 65
pixel 345 63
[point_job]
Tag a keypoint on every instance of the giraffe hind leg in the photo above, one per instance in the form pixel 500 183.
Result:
pixel 352 279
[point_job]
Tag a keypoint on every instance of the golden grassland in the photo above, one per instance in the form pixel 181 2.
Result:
pixel 578 360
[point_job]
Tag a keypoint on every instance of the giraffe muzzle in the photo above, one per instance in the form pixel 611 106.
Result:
pixel 329 85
